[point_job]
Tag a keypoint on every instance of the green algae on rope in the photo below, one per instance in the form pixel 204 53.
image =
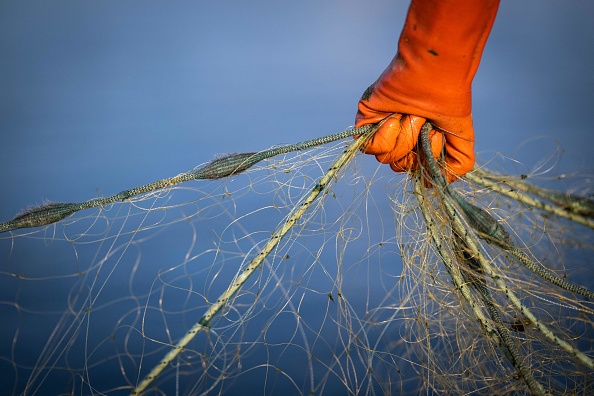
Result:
pixel 219 168
pixel 482 223
pixel 473 259
pixel 489 229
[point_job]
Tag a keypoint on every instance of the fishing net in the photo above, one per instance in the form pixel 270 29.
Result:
pixel 308 270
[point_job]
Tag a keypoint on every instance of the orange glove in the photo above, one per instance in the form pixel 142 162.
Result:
pixel 430 79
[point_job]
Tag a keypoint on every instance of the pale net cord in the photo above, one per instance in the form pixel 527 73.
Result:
pixel 494 295
pixel 573 207
pixel 470 255
pixel 276 237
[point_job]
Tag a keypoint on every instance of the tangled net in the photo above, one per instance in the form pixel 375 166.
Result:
pixel 374 283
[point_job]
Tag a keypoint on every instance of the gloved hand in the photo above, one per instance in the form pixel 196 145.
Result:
pixel 430 80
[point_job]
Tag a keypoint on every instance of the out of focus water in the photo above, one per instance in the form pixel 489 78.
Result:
pixel 98 97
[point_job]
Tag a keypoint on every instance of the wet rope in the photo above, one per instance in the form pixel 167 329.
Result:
pixel 472 259
pixel 219 168
pixel 490 230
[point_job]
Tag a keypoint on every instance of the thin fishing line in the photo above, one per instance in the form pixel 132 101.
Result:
pixel 507 344
pixel 473 246
pixel 490 229
pixel 571 207
pixel 467 271
pixel 453 270
pixel 300 209
pixel 582 205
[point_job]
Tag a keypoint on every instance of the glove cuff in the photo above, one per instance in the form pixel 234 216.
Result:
pixel 438 54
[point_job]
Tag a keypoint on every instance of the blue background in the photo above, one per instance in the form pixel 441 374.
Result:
pixel 100 96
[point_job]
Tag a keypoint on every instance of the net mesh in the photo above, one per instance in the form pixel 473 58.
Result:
pixel 355 299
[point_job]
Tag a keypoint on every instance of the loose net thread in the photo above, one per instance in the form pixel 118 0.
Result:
pixel 329 311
